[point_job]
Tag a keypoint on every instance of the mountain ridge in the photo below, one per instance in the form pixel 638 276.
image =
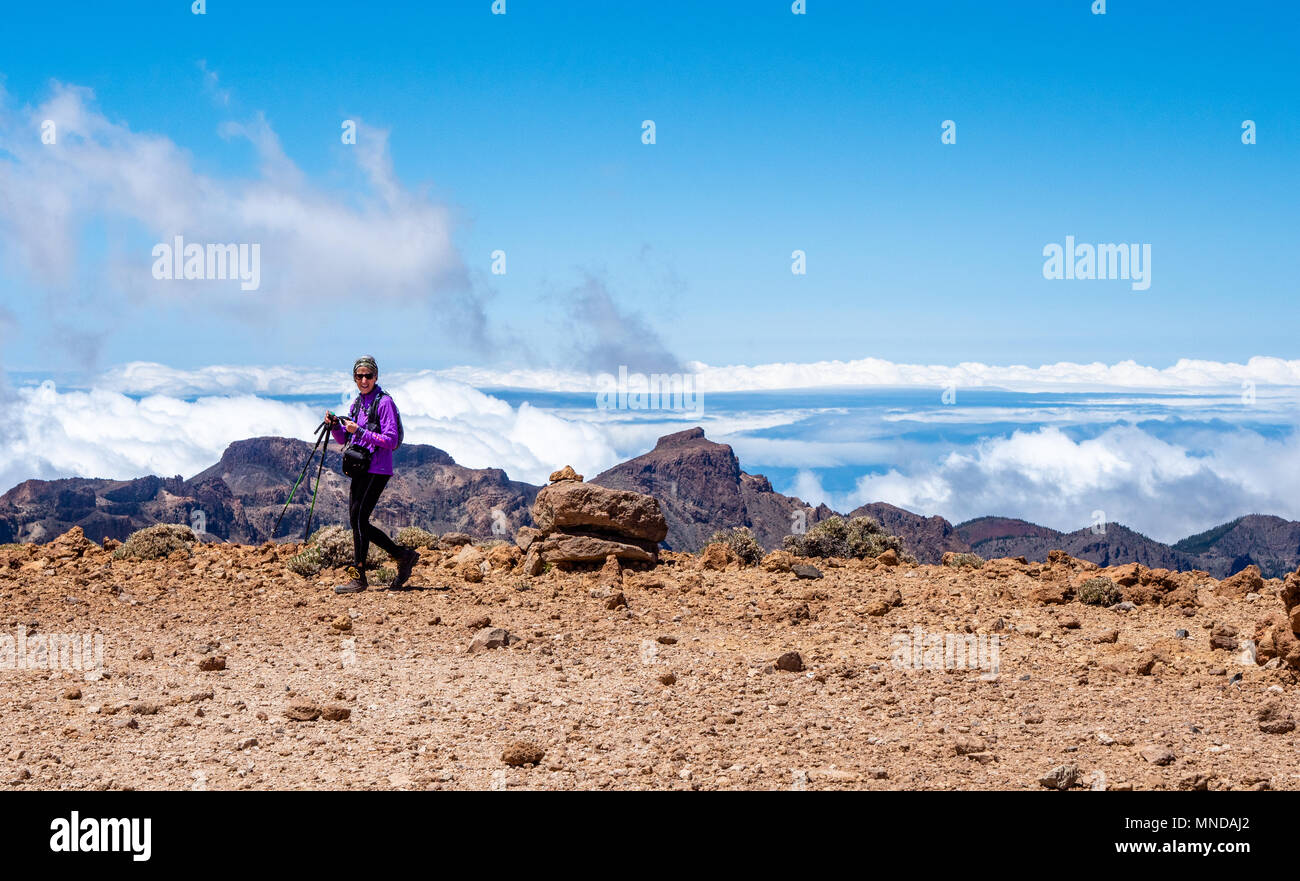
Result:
pixel 699 483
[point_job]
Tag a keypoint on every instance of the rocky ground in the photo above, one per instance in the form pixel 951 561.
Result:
pixel 223 670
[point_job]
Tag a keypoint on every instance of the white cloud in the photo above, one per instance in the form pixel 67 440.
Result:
pixel 1160 488
pixel 1214 383
pixel 105 433
pixel 1184 376
pixel 316 246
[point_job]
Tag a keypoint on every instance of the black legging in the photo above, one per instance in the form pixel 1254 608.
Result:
pixel 365 493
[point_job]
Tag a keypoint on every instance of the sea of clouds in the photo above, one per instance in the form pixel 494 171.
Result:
pixel 1167 465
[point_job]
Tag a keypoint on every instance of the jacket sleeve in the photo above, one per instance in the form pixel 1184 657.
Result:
pixel 386 437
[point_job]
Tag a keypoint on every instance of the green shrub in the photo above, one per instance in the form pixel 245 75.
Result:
pixel 742 541
pixel 307 564
pixel 330 547
pixel 383 576
pixel 959 560
pixel 1099 591
pixel 859 538
pixel 156 542
pixel 415 537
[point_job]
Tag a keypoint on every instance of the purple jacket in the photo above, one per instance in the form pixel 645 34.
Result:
pixel 381 443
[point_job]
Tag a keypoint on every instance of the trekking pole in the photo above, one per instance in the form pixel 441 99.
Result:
pixel 322 431
pixel 323 454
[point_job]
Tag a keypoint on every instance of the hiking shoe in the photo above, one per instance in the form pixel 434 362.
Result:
pixel 356 585
pixel 404 567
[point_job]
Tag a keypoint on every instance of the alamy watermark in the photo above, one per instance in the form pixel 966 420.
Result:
pixel 51 651
pixel 919 650
pixel 657 391
pixel 1102 261
pixel 210 262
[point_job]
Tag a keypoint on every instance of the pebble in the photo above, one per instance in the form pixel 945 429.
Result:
pixel 522 752
pixel 1156 755
pixel 491 638
pixel 1061 777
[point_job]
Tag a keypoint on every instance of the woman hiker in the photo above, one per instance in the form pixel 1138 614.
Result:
pixel 366 488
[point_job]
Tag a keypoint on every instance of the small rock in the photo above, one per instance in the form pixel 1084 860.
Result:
pixel 72 694
pixel 1274 719
pixel 302 712
pixel 1156 755
pixel 215 662
pixel 1181 634
pixel 145 708
pixel 335 714
pixel 246 743
pixel 1061 777
pixel 521 752
pixel 565 473
pixel 805 570
pixel 668 678
pixel 342 622
pixel 490 638
pixel 616 601
pixel 791 662
pixel 145 654
pixel 1223 636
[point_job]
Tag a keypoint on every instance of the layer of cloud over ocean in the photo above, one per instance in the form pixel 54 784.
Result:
pixel 1167 452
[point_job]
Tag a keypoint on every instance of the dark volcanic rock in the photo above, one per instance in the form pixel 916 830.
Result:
pixel 701 489
pixel 242 494
pixel 993 537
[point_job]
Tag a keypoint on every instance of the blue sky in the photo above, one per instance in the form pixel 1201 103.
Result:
pixel 774 132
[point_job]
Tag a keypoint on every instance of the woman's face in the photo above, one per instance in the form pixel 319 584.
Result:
pixel 365 379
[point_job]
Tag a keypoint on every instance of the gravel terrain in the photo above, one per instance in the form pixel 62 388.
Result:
pixel 223 670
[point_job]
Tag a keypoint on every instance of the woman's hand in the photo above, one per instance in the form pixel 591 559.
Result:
pixel 350 426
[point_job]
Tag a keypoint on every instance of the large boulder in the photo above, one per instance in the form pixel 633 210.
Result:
pixel 570 506
pixel 1279 635
pixel 564 547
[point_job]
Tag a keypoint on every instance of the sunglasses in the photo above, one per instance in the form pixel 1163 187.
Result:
pixel 363 376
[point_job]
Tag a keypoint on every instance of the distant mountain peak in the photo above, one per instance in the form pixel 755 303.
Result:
pixel 682 438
